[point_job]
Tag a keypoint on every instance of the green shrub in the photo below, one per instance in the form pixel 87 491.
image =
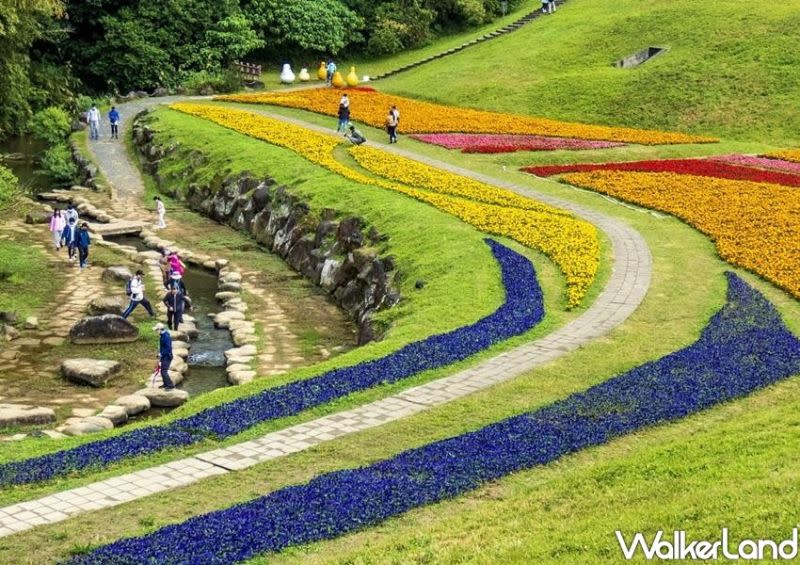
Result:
pixel 8 185
pixel 58 164
pixel 51 125
pixel 82 103
pixel 220 81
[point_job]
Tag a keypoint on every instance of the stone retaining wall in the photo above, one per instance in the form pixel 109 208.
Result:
pixel 335 251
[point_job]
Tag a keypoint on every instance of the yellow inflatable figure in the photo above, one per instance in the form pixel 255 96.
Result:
pixel 322 73
pixel 338 81
pixel 352 78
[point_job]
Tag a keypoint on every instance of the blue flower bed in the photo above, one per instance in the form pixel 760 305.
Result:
pixel 522 310
pixel 745 347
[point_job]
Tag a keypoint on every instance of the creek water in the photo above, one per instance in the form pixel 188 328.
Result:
pixel 21 155
pixel 206 357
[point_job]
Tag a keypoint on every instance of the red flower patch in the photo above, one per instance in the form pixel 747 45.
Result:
pixel 695 167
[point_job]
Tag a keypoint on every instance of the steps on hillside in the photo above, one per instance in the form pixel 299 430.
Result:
pixel 509 28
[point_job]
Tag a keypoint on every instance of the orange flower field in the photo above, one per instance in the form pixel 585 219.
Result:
pixel 570 243
pixel 792 155
pixel 754 225
pixel 371 107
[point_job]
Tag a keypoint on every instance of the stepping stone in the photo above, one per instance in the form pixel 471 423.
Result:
pixel 222 319
pixel 164 398
pixel 107 328
pixel 117 274
pixel 94 372
pixel 230 277
pixel 243 351
pixel 28 342
pixel 31 323
pixel 241 377
pixel 243 339
pixel 54 341
pixel 52 434
pixel 227 295
pixel 133 403
pixel 22 414
pixel 83 412
pixel 243 360
pixel 106 305
pixel 117 414
pixel 236 367
pixel 85 426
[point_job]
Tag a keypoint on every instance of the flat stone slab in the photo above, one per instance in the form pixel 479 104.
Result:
pixel 241 377
pixel 164 398
pixel 133 403
pixel 90 425
pixel 25 415
pixel 222 319
pixel 118 227
pixel 106 305
pixel 117 414
pixel 117 274
pixel 243 351
pixel 107 328
pixel 94 372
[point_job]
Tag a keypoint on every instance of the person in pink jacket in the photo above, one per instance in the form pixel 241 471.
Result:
pixel 57 224
pixel 175 264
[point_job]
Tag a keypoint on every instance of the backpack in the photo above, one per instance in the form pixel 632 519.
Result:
pixel 128 290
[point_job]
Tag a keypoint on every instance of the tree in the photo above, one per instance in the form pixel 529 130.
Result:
pixel 22 22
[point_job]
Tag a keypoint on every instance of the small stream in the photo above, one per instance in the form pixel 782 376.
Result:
pixel 21 155
pixel 206 356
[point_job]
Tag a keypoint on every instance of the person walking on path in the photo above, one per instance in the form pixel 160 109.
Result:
pixel 175 301
pixel 164 355
pixel 545 6
pixel 135 289
pixel 113 119
pixel 161 210
pixel 69 237
pixel 93 117
pixel 57 224
pixel 71 213
pixel 355 136
pixel 163 264
pixel 344 117
pixel 175 264
pixel 391 126
pixel 551 6
pixel 83 242
pixel 329 70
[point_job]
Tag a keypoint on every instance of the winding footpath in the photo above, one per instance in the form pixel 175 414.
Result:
pixel 624 291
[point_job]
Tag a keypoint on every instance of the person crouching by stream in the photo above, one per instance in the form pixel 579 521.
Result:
pixel 135 289
pixel 175 301
pixel 164 355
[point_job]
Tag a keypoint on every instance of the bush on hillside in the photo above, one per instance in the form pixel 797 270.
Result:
pixel 58 164
pixel 220 81
pixel 51 125
pixel 8 185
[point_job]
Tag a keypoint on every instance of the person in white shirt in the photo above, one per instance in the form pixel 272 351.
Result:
pixel 162 212
pixel 93 118
pixel 135 289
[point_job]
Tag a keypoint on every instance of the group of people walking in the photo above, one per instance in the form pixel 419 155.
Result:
pixel 356 137
pixel 93 119
pixel 67 231
pixel 176 299
pixel 548 6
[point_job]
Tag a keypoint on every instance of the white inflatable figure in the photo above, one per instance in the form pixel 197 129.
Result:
pixel 304 76
pixel 287 76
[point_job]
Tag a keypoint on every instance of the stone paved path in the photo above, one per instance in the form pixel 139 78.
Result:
pixel 624 291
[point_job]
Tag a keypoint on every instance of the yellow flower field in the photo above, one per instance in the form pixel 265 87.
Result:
pixel 792 155
pixel 754 225
pixel 371 108
pixel 570 243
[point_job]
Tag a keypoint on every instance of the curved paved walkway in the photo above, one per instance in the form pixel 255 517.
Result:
pixel 622 294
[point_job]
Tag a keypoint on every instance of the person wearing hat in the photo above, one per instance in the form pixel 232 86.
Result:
pixel 164 355
pixel 135 287
pixel 175 301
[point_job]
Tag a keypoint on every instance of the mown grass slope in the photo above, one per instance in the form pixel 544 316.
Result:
pixel 730 69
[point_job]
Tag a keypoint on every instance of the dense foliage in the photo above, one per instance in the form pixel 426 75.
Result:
pixel 51 125
pixel 8 185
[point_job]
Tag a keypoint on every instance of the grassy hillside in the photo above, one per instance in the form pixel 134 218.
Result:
pixel 730 69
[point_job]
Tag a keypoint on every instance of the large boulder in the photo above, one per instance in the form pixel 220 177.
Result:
pixel 106 305
pixel 117 414
pixel 21 415
pixel 107 328
pixel 117 273
pixel 95 372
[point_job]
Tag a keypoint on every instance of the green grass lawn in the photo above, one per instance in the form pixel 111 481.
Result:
pixel 28 279
pixel 729 70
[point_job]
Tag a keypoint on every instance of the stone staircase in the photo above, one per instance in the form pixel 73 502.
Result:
pixel 478 40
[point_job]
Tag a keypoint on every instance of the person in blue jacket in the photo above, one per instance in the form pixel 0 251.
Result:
pixel 69 237
pixel 164 355
pixel 113 119
pixel 82 243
